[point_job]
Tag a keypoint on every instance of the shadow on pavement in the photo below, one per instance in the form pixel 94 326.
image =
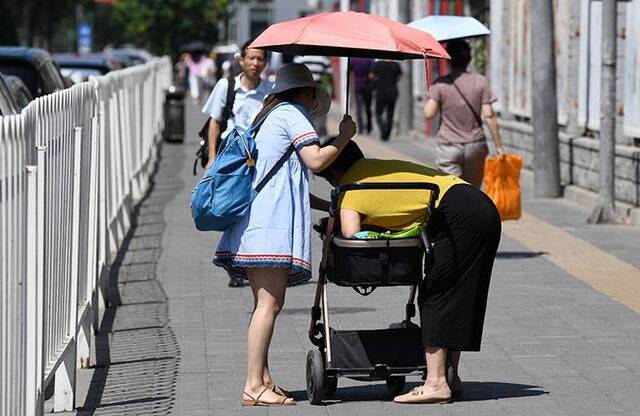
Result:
pixel 473 391
pixel 137 353
pixel 335 310
pixel 519 254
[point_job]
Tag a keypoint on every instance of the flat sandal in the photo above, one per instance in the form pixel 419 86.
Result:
pixel 280 391
pixel 282 401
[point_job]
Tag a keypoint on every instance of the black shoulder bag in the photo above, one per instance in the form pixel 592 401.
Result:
pixel 202 154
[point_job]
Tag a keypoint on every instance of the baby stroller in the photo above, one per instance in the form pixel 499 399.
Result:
pixel 367 355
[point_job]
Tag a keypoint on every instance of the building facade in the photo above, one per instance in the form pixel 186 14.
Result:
pixel 577 46
pixel 250 17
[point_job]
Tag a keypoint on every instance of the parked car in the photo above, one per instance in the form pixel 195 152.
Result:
pixel 8 105
pixel 21 94
pixel 34 67
pixel 129 57
pixel 79 67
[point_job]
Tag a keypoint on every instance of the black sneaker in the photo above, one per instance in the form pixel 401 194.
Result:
pixel 236 282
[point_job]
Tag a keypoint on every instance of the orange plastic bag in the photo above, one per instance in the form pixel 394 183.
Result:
pixel 502 184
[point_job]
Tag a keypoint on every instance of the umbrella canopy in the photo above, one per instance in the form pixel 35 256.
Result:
pixel 349 34
pixel 445 28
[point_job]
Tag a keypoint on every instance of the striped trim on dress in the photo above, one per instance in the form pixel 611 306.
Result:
pixel 304 139
pixel 237 264
pixel 262 258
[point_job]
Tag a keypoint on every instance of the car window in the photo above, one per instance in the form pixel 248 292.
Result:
pixel 6 103
pixel 52 81
pixel 22 98
pixel 25 72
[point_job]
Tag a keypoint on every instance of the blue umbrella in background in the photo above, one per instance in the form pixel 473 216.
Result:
pixel 446 28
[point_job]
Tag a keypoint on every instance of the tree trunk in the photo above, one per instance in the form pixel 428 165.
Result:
pixel 604 212
pixel 546 161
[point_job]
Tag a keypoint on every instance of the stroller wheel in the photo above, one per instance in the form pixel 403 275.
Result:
pixel 331 385
pixel 395 385
pixel 315 377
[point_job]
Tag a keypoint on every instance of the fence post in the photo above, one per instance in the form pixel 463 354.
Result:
pixel 106 243
pixel 41 160
pixel 33 394
pixel 65 381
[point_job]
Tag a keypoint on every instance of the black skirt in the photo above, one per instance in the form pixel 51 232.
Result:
pixel 465 232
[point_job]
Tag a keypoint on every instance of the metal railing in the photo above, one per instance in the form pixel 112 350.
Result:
pixel 72 165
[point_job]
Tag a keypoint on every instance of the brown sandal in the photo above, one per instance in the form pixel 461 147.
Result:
pixel 282 401
pixel 280 391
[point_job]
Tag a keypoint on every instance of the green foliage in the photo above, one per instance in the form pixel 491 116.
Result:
pixel 480 10
pixel 41 23
pixel 163 25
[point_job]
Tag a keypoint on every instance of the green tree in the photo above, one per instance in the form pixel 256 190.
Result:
pixel 480 10
pixel 163 25
pixel 38 23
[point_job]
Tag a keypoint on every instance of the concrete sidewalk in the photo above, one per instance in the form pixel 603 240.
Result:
pixel 553 345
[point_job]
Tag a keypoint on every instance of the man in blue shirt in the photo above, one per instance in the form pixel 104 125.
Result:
pixel 250 91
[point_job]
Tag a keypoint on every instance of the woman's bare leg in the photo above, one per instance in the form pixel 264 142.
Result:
pixel 269 285
pixel 435 388
pixel 436 368
pixel 266 375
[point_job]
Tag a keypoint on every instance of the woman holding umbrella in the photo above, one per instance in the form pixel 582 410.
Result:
pixel 271 246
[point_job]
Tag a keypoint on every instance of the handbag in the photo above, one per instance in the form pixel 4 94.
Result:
pixel 502 184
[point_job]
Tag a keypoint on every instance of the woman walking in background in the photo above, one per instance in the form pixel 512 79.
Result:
pixel 461 97
pixel 271 246
pixel 360 69
pixel 195 66
pixel 385 75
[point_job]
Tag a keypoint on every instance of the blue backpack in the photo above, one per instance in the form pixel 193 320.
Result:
pixel 224 194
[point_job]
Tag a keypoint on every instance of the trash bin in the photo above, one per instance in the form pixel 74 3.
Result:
pixel 174 114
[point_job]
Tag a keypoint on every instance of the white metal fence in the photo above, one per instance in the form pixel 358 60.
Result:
pixel 72 165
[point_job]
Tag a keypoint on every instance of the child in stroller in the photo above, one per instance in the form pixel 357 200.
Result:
pixel 461 241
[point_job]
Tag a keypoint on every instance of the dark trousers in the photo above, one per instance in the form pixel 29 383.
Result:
pixel 465 232
pixel 384 115
pixel 363 102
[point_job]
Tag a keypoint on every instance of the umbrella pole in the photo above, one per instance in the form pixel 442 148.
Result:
pixel 346 108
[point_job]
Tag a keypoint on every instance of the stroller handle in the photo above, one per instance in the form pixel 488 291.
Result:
pixel 359 186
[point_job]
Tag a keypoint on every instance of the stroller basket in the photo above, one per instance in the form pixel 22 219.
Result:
pixel 375 262
pixel 379 352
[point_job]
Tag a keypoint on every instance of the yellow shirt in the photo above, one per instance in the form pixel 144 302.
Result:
pixel 393 209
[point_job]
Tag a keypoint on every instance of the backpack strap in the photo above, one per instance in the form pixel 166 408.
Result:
pixel 283 158
pixel 275 168
pixel 227 110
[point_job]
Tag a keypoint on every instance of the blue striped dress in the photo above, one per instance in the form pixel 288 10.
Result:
pixel 277 230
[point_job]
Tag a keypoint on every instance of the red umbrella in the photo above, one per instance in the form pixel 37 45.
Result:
pixel 349 34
